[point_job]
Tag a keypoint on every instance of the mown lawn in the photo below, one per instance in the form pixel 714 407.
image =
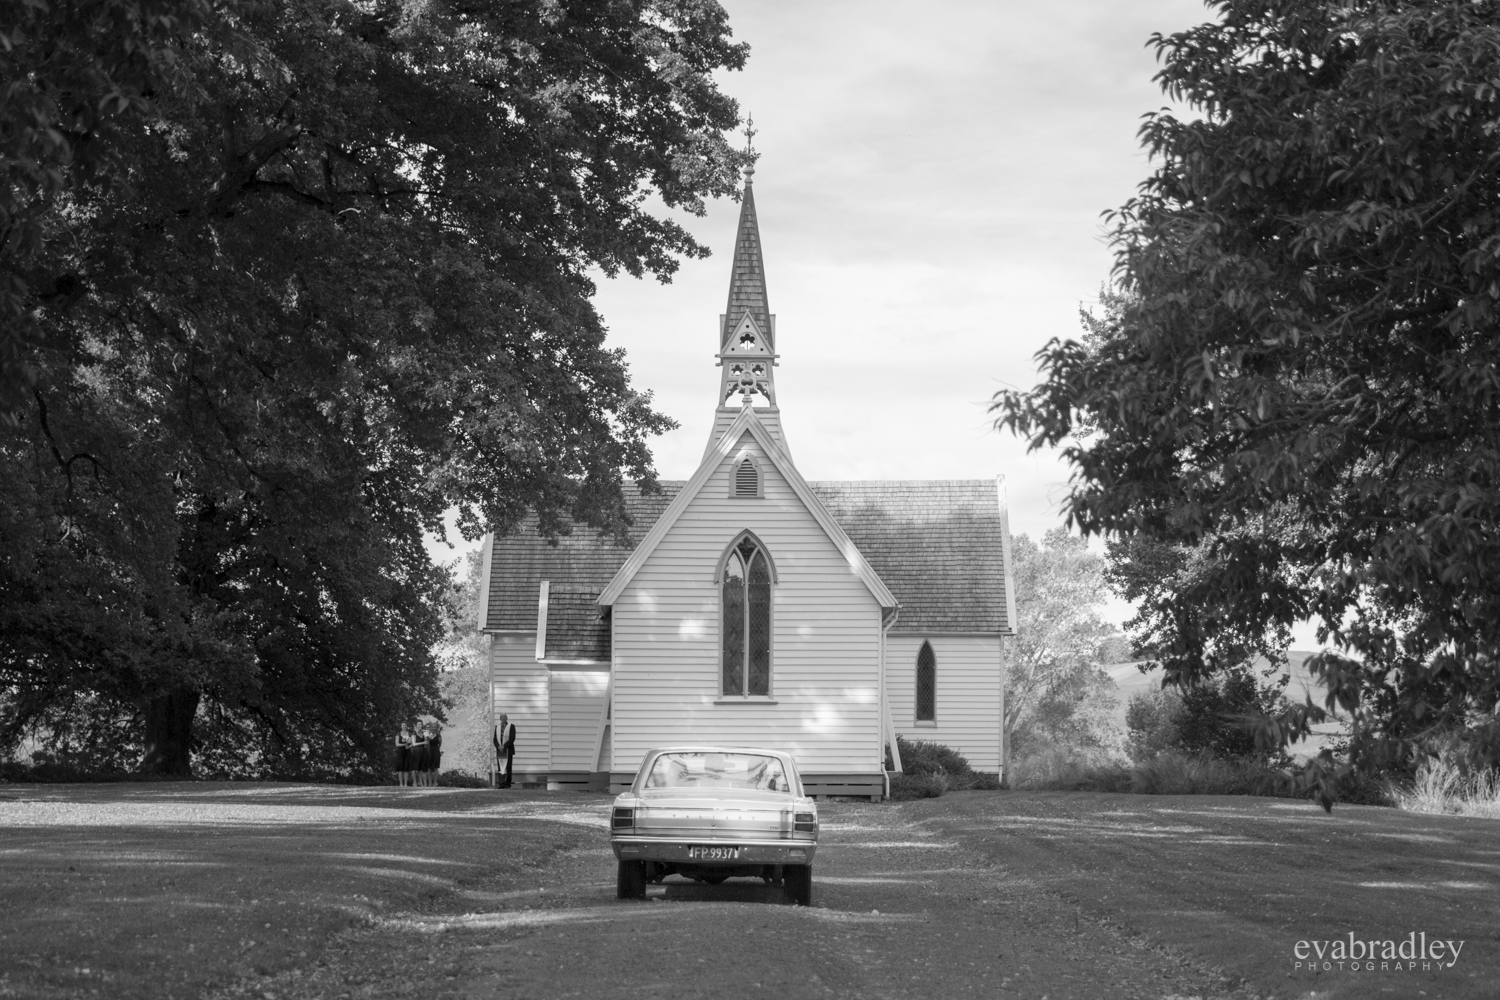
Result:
pixel 188 890
pixel 1237 882
pixel 168 890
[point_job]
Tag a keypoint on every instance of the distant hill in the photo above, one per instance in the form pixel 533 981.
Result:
pixel 1129 680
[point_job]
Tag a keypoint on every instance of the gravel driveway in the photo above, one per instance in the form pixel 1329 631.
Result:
pixel 274 891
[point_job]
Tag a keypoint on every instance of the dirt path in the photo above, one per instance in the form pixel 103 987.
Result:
pixel 296 893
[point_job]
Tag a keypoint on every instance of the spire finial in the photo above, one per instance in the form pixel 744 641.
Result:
pixel 750 147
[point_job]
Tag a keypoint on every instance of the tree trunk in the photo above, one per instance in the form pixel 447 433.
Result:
pixel 169 728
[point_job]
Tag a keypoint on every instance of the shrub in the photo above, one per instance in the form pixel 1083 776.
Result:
pixel 1175 773
pixel 930 769
pixel 1059 770
pixel 1208 719
pixel 974 781
pixel 49 771
pixel 1203 774
pixel 461 779
pixel 918 786
pixel 1442 787
pixel 1151 719
pixel 923 757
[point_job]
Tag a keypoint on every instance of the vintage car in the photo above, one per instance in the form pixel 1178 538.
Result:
pixel 712 813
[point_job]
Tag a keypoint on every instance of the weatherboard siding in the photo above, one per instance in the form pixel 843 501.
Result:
pixel 824 637
pixel 577 698
pixel 520 688
pixel 969 676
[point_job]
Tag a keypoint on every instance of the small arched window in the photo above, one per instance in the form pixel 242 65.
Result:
pixel 926 684
pixel 746 481
pixel 746 603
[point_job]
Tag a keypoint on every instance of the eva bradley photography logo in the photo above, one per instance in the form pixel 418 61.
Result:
pixel 1414 953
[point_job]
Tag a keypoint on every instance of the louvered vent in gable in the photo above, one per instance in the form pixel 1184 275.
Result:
pixel 746 479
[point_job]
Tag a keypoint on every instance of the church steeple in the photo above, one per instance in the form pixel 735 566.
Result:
pixel 747 330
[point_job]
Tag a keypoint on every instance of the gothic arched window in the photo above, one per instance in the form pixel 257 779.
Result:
pixel 926 684
pixel 746 603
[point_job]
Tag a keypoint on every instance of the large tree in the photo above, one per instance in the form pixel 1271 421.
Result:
pixel 1301 377
pixel 332 281
pixel 1057 694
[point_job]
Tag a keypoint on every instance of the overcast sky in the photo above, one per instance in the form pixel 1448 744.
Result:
pixel 929 189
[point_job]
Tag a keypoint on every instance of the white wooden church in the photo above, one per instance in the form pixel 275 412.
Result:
pixel 752 607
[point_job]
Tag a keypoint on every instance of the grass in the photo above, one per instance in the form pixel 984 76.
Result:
pixel 193 890
pixel 1236 882
pixel 138 891
pixel 1441 788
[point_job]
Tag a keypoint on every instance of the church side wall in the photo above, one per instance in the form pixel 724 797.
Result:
pixel 825 638
pixel 969 673
pixel 520 689
pixel 577 701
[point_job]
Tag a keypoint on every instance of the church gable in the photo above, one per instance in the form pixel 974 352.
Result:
pixel 744 436
pixel 746 490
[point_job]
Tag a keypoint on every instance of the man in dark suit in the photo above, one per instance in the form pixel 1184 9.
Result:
pixel 505 750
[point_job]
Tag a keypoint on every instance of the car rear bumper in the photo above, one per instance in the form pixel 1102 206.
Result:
pixel 752 852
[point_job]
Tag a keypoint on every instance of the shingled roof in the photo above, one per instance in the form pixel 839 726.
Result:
pixel 583 562
pixel 577 628
pixel 938 546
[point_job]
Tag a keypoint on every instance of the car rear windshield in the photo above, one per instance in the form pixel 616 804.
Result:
pixel 718 770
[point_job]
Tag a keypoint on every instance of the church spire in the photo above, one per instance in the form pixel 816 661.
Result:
pixel 747 334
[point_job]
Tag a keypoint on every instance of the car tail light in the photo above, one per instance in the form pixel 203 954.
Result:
pixel 623 819
pixel 805 823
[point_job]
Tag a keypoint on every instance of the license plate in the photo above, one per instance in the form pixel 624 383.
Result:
pixel 714 853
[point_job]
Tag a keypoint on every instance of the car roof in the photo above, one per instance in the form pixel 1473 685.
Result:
pixel 699 748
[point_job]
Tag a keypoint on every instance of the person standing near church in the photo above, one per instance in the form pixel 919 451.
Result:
pixel 404 740
pixel 505 750
pixel 418 758
pixel 434 754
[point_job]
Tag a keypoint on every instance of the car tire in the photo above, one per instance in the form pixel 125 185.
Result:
pixel 630 883
pixel 797 884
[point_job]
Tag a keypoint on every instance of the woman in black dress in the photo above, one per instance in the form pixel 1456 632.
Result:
pixel 434 755
pixel 403 756
pixel 418 759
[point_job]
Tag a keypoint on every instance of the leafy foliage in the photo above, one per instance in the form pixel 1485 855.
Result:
pixel 77 72
pixel 1213 718
pixel 926 757
pixel 1151 724
pixel 466 734
pixel 1299 379
pixel 929 769
pixel 905 787
pixel 1057 693
pixel 330 280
